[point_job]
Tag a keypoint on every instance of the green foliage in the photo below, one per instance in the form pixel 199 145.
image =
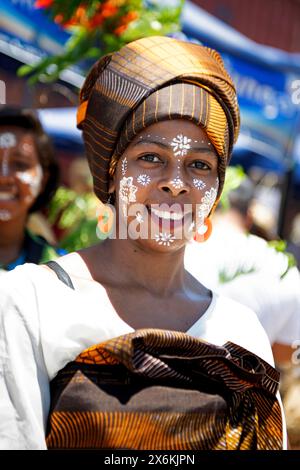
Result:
pixel 76 215
pixel 225 277
pixel 234 177
pixel 99 27
pixel 280 247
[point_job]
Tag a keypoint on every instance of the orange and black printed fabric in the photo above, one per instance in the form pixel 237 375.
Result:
pixel 150 80
pixel 165 390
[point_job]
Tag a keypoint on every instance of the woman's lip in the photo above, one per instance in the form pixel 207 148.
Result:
pixel 168 214
pixel 7 197
pixel 168 223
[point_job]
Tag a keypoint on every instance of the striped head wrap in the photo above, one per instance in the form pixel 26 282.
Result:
pixel 150 80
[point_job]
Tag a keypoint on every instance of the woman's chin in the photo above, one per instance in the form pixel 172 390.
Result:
pixel 162 242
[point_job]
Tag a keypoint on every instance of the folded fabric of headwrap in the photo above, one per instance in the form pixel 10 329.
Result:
pixel 151 80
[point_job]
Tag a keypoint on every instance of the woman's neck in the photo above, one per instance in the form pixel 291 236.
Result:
pixel 11 239
pixel 123 262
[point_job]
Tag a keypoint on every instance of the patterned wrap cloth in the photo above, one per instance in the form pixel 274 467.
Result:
pixel 165 390
pixel 150 80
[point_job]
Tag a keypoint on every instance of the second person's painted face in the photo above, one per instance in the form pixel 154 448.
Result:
pixel 166 183
pixel 21 174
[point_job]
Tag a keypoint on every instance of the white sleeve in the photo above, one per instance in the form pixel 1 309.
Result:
pixel 24 385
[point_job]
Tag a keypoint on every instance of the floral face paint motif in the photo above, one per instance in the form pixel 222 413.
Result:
pixel 7 140
pixel 144 180
pixel 199 184
pixel 127 192
pixel 177 183
pixel 164 239
pixel 180 144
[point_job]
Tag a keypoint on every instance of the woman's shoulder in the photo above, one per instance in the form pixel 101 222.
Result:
pixel 75 266
pixel 20 279
pixel 30 283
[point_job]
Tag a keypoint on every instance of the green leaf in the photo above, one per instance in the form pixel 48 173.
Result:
pixel 233 178
pixel 280 247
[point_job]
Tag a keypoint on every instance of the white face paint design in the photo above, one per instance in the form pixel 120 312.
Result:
pixel 127 192
pixel 205 206
pixel 191 227
pixel 180 144
pixel 139 218
pixel 34 181
pixel 164 239
pixel 199 184
pixel 144 180
pixel 124 166
pixel 177 183
pixel 7 140
pixel 5 215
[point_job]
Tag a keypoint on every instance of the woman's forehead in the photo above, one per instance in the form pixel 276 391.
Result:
pixel 172 128
pixel 11 136
pixel 180 136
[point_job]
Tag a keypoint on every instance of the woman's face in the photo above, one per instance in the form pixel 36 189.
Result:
pixel 166 183
pixel 21 175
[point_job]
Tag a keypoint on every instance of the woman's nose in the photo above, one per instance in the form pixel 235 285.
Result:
pixel 175 184
pixel 5 170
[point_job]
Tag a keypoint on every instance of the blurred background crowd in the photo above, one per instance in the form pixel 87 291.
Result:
pixel 46 48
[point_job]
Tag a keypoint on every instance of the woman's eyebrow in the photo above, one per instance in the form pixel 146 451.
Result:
pixel 166 145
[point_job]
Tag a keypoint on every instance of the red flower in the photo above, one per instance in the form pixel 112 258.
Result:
pixel 43 3
pixel 97 20
pixel 108 10
pixel 59 18
pixel 132 15
pixel 120 30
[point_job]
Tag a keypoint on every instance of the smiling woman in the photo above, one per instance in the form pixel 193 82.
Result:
pixel 138 353
pixel 158 180
pixel 28 178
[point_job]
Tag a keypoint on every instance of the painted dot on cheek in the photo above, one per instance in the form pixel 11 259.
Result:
pixel 32 180
pixel 5 215
pixel 144 180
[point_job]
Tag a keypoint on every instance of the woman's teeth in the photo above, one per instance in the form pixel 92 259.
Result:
pixel 167 215
pixel 6 196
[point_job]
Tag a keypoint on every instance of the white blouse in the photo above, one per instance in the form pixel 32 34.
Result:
pixel 45 325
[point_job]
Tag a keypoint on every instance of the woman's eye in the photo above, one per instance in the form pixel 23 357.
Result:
pixel 150 157
pixel 200 165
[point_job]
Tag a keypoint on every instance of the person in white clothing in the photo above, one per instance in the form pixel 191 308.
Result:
pixel 191 369
pixel 247 269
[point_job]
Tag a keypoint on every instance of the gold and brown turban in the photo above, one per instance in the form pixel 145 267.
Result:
pixel 150 80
